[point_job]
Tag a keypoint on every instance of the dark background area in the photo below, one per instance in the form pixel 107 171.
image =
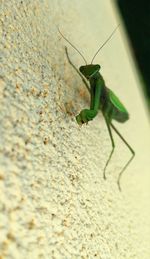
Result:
pixel 136 16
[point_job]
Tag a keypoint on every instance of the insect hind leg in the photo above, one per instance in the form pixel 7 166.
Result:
pixel 113 147
pixel 129 161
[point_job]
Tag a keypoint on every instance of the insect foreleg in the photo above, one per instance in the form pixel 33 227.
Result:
pixel 70 62
pixel 89 114
pixel 132 152
pixel 113 146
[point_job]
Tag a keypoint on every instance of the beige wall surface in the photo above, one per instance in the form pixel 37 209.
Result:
pixel 54 202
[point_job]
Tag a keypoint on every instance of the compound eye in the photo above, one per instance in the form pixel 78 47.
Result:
pixel 81 69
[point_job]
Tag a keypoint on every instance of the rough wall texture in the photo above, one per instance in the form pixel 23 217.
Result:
pixel 54 202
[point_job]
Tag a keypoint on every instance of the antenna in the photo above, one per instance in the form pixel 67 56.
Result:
pixel 72 46
pixel 104 43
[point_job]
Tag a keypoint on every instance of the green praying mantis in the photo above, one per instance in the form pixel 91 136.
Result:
pixel 101 98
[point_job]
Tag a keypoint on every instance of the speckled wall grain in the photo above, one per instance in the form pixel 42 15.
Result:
pixel 54 202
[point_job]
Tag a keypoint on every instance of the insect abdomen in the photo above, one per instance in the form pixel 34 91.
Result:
pixel 111 112
pixel 114 108
pixel 118 115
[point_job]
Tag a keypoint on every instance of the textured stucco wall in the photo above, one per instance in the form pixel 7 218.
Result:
pixel 54 202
